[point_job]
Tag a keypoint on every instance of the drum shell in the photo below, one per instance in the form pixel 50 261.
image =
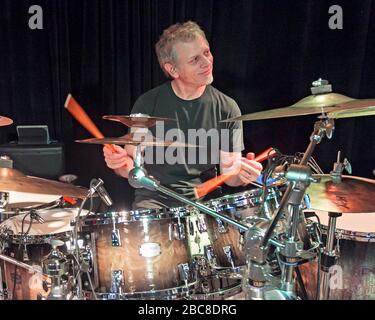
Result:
pixel 142 271
pixel 353 275
pixel 22 284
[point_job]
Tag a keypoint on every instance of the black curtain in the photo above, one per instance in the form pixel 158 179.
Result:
pixel 267 53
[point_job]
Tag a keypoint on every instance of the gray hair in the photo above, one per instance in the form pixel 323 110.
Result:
pixel 179 32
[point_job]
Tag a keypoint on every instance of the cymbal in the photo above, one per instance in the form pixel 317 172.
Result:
pixel 351 195
pixel 136 139
pixel 137 120
pixel 4 121
pixel 360 112
pixel 328 102
pixel 15 180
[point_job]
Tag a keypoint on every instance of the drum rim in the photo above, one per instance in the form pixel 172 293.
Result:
pixel 119 217
pixel 244 198
pixel 349 234
pixel 36 238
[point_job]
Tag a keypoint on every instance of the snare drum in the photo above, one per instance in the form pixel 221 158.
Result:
pixel 353 277
pixel 141 254
pixel 32 249
pixel 13 200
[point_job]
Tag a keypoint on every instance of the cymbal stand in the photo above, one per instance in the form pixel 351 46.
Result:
pixel 81 265
pixel 299 177
pixel 138 178
pixel 329 257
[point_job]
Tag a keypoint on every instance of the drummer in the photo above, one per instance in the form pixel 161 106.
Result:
pixel 188 97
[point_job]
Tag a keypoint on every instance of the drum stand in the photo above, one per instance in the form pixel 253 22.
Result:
pixel 299 177
pixel 329 257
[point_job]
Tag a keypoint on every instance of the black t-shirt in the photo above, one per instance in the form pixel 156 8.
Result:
pixel 181 169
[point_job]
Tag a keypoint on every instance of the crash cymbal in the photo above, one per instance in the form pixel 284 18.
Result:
pixel 330 103
pixel 351 195
pixel 137 120
pixel 136 139
pixel 4 121
pixel 15 180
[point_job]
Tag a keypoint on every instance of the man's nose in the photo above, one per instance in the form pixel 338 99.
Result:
pixel 206 61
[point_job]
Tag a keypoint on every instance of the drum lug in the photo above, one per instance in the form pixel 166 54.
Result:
pixel 46 286
pixel 191 228
pixel 221 226
pixel 115 238
pixel 200 266
pixel 184 271
pixel 201 225
pixel 210 255
pixel 117 281
pixel 176 231
pixel 229 255
pixel 25 255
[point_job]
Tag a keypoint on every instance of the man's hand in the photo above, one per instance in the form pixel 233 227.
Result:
pixel 250 169
pixel 120 161
pixel 243 170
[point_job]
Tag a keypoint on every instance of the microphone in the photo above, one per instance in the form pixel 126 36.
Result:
pixel 97 186
pixel 35 215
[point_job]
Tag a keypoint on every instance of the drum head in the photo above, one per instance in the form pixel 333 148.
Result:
pixel 26 200
pixel 363 222
pixel 56 221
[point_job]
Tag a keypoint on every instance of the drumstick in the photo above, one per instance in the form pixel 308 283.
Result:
pixel 81 116
pixel 210 185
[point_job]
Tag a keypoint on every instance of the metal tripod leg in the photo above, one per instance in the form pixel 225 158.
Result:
pixel 329 257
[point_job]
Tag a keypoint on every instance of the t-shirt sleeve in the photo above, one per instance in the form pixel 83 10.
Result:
pixel 231 132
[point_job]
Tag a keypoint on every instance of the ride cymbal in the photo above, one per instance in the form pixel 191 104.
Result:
pixel 15 180
pixel 331 103
pixel 351 195
pixel 137 120
pixel 4 121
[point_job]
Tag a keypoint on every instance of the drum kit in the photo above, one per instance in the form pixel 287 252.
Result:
pixel 299 235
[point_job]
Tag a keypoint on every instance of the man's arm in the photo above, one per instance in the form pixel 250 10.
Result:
pixel 243 170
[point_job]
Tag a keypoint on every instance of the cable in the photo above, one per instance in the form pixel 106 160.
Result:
pixel 75 237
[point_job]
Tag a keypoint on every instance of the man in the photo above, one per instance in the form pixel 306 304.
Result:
pixel 185 57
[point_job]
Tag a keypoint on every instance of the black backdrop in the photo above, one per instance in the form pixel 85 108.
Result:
pixel 267 53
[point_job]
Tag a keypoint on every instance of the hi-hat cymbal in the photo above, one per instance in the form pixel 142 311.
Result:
pixel 15 180
pixel 330 103
pixel 136 139
pixel 4 121
pixel 137 120
pixel 351 195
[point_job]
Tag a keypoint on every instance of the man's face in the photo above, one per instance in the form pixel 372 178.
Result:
pixel 194 62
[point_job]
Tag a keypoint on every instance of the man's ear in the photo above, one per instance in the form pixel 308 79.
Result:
pixel 171 70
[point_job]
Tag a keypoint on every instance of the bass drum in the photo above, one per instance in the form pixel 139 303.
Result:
pixel 353 276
